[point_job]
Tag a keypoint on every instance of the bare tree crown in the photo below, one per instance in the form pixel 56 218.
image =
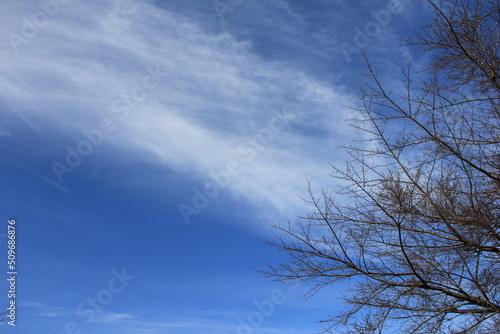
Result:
pixel 415 226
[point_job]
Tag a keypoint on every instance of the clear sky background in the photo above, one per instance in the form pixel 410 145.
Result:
pixel 147 147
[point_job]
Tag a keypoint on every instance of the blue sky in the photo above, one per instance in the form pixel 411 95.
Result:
pixel 147 147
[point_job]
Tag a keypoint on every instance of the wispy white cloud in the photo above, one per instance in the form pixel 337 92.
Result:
pixel 187 325
pixel 39 305
pixel 44 310
pixel 112 318
pixel 216 95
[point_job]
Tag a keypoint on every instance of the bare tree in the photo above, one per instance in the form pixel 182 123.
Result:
pixel 414 224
